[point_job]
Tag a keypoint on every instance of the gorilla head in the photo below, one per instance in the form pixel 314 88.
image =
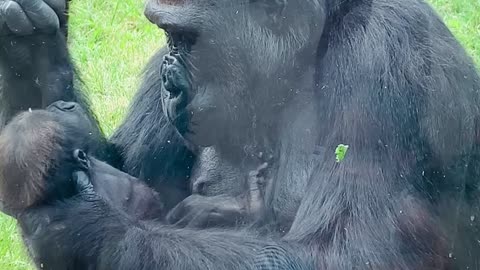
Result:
pixel 41 150
pixel 32 146
pixel 216 79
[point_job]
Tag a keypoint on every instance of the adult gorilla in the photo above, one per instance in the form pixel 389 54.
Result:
pixel 293 79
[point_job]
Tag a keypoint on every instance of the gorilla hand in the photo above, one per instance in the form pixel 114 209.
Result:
pixel 198 211
pixel 34 60
pixel 25 17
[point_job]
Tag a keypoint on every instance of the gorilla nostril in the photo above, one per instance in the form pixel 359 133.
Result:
pixel 175 77
pixel 68 106
pixel 63 106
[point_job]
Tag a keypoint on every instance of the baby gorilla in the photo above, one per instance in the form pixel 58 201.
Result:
pixel 40 153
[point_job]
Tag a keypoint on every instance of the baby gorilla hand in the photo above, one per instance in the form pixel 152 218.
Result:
pixel 25 17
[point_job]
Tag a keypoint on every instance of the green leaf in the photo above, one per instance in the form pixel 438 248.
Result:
pixel 340 152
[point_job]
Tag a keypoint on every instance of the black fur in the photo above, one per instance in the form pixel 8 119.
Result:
pixel 293 79
pixel 40 151
pixel 106 238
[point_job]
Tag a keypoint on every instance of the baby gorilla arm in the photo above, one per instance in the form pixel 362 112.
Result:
pixel 105 238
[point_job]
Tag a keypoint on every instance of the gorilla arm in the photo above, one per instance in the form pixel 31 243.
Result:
pixel 106 239
pixel 34 61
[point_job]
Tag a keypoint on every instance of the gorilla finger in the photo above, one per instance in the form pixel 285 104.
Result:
pixel 83 183
pixel 208 219
pixel 16 19
pixel 176 214
pixel 42 15
pixel 58 6
pixel 189 220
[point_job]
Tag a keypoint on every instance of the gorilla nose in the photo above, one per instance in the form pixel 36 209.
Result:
pixel 64 106
pixel 174 76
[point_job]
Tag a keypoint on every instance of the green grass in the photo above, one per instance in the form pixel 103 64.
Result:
pixel 111 41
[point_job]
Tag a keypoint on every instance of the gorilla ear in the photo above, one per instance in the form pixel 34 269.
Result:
pixel 81 158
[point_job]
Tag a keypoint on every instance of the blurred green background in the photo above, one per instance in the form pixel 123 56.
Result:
pixel 111 41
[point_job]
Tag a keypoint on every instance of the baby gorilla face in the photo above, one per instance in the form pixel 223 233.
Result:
pixel 40 151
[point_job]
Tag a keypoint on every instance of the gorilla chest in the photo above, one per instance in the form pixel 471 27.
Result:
pixel 290 183
pixel 277 185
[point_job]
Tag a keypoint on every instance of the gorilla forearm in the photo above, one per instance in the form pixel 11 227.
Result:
pixel 34 61
pixel 106 239
pixel 35 65
pixel 36 71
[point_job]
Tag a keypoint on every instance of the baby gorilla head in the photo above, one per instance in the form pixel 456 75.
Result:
pixel 40 151
pixel 35 148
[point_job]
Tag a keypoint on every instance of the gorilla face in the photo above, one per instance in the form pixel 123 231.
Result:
pixel 232 63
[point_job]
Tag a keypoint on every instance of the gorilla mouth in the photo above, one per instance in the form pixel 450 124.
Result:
pixel 176 79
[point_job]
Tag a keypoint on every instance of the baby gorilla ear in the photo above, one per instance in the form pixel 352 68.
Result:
pixel 82 159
